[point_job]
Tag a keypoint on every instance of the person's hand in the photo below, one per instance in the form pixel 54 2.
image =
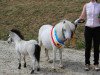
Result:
pixel 76 21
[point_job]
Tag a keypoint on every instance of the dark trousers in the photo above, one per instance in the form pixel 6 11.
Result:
pixel 92 35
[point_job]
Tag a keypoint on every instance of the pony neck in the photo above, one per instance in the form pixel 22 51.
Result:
pixel 17 39
pixel 58 29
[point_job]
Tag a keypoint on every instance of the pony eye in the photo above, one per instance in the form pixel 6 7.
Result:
pixel 8 35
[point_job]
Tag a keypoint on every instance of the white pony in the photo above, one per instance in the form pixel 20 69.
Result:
pixel 54 37
pixel 23 47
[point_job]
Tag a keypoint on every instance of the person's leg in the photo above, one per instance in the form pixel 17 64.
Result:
pixel 88 43
pixel 96 44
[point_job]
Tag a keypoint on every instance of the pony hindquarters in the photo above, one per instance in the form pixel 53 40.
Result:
pixel 44 37
pixel 35 57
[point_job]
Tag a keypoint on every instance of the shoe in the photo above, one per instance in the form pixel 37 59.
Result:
pixel 87 67
pixel 96 68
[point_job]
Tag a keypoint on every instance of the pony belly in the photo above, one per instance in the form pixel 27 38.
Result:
pixel 47 45
pixel 23 49
pixel 23 52
pixel 46 40
pixel 44 36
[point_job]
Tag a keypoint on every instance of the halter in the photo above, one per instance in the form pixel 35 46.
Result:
pixel 57 42
pixel 63 35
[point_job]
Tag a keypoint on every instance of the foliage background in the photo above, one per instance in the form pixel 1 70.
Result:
pixel 29 15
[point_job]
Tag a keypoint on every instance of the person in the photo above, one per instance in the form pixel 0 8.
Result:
pixel 91 12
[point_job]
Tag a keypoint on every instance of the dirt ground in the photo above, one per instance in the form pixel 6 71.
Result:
pixel 73 61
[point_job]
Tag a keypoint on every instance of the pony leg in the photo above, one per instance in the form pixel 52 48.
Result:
pixel 60 53
pixel 19 59
pixel 40 42
pixel 37 55
pixel 33 64
pixel 54 57
pixel 24 61
pixel 38 66
pixel 47 56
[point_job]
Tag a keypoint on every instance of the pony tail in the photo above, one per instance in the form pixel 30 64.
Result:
pixel 37 52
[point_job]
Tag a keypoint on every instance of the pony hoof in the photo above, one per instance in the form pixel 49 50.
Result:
pixel 38 69
pixel 19 67
pixel 50 61
pixel 61 66
pixel 54 70
pixel 32 71
pixel 24 65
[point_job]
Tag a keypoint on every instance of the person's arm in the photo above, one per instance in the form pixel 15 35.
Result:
pixel 99 14
pixel 82 17
pixel 83 14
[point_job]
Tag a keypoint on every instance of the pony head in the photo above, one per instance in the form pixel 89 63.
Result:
pixel 10 38
pixel 70 24
pixel 14 35
pixel 67 29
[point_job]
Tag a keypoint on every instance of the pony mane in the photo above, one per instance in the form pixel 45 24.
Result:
pixel 18 33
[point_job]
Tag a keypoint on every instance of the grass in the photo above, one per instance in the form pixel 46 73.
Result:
pixel 29 15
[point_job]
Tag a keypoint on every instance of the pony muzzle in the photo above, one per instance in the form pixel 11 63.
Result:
pixel 9 41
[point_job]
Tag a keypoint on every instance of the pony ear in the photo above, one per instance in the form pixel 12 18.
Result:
pixel 64 21
pixel 72 26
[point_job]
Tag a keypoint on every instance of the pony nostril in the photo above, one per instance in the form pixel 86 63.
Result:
pixel 7 41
